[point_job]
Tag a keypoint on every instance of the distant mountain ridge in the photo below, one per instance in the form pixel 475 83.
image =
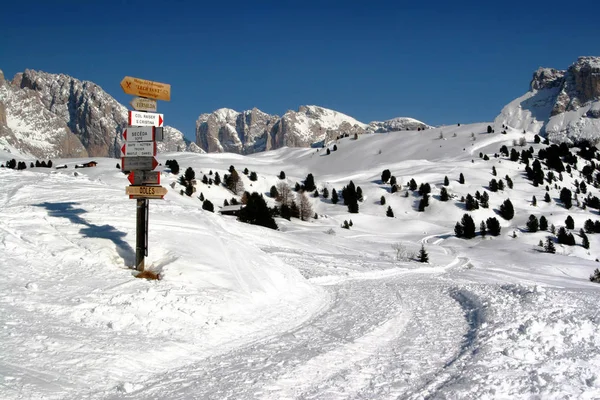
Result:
pixel 55 115
pixel 563 105
pixel 251 131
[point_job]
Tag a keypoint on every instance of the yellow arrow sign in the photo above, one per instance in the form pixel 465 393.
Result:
pixel 146 190
pixel 145 88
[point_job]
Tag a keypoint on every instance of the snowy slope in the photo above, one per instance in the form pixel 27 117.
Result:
pixel 311 310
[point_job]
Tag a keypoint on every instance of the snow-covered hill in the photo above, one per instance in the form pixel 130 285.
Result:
pixel 55 115
pixel 247 132
pixel 563 105
pixel 311 310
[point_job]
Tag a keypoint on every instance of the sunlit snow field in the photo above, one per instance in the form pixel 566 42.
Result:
pixel 311 311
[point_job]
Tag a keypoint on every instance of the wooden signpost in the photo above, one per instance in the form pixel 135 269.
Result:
pixel 145 128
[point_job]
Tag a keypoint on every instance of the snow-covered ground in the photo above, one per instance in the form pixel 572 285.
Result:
pixel 310 311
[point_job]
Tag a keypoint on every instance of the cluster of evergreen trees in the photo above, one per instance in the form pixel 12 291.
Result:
pixel 465 228
pixel 21 165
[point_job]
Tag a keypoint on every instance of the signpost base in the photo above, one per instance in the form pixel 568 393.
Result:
pixel 141 233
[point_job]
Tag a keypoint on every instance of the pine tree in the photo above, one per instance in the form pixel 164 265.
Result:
pixel 534 201
pixel 334 196
pixel 253 177
pixel 443 194
pixel 316 193
pixel 382 200
pixel 566 197
pixel 493 185
pixel 256 212
pixel 325 193
pixel 461 179
pixel 569 223
pixel 468 226
pixel 309 183
pixel 494 171
pixel 208 206
pixel 549 247
pixel 547 197
pixel 482 229
pixel 589 226
pixel 201 197
pixel 493 226
pixel 389 212
pixel 189 190
pixel 359 194
pixel 423 256
pixel 205 180
pixel 245 171
pixel 458 230
pixel 485 200
pixel 385 175
pixel 282 175
pixel 412 184
pixel 506 210
pixel 217 179
pixel 585 242
pixel 446 181
pixel 532 223
pixel 392 180
pixel 273 192
pixel 189 174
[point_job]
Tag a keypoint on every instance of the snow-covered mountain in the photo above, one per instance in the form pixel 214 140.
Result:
pixel 251 131
pixel 564 105
pixel 56 115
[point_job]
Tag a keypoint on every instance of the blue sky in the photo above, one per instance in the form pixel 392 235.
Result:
pixel 440 62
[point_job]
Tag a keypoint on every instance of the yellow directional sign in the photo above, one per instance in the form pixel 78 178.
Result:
pixel 145 88
pixel 141 104
pixel 146 190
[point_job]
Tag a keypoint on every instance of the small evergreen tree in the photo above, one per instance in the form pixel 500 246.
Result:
pixel 385 175
pixel 485 200
pixel 534 201
pixel 468 226
pixel 569 223
pixel 201 197
pixel 389 212
pixel 585 242
pixel 282 175
pixel 443 194
pixel 482 229
pixel 208 206
pixel 458 230
pixel 506 210
pixel 245 171
pixel 309 183
pixel 532 223
pixel 382 200
pixel 392 180
pixel 325 193
pixel 566 197
pixel 334 196
pixel 547 197
pixel 253 177
pixel 461 179
pixel 549 246
pixel 205 180
pixel 589 226
pixel 256 212
pixel 446 181
pixel 217 179
pixel 423 256
pixel 316 193
pixel 494 171
pixel 273 192
pixel 493 226
pixel 189 174
pixel 189 190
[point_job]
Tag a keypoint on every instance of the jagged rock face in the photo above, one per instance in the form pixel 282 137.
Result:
pixel 246 132
pixel 91 114
pixel 547 78
pixel 227 130
pixel 29 127
pixel 563 105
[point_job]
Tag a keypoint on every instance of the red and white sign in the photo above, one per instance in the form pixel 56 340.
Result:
pixel 139 178
pixel 138 118
pixel 139 134
pixel 138 163
pixel 138 149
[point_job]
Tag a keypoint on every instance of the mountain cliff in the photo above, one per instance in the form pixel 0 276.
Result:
pixel 251 131
pixel 563 105
pixel 55 115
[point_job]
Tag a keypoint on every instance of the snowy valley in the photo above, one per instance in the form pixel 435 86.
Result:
pixel 311 310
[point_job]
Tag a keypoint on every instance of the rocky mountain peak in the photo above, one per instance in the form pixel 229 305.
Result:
pixel 91 121
pixel 564 105
pixel 1 77
pixel 226 130
pixel 547 78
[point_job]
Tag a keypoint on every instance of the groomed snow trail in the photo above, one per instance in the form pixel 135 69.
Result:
pixel 381 337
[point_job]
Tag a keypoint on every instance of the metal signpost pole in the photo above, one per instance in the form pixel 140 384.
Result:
pixel 140 234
